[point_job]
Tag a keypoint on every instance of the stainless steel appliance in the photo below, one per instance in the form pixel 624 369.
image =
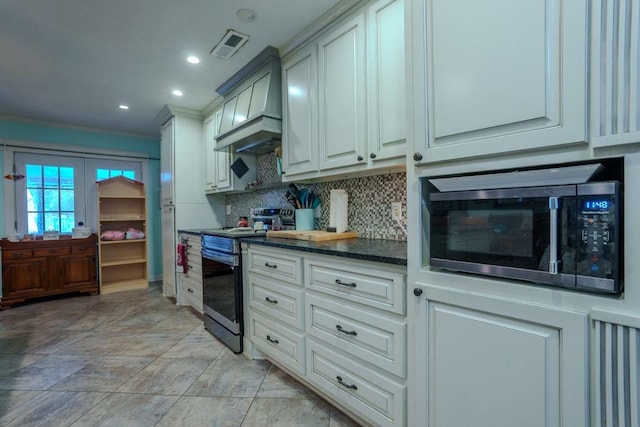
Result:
pixel 564 233
pixel 222 284
pixel 222 275
pixel 284 216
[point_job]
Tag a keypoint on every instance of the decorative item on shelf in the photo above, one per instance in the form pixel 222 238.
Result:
pixel 50 235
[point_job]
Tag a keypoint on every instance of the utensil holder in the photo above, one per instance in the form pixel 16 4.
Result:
pixel 304 219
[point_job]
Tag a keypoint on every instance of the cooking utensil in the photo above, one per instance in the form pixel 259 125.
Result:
pixel 303 196
pixel 291 199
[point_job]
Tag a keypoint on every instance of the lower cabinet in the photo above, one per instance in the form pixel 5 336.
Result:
pixel 47 267
pixel 337 325
pixel 484 360
pixel 189 281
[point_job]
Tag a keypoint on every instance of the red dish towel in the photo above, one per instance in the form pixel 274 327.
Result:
pixel 181 259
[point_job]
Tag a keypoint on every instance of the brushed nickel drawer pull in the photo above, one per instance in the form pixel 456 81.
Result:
pixel 342 383
pixel 271 339
pixel 344 331
pixel 266 264
pixel 340 282
pixel 272 301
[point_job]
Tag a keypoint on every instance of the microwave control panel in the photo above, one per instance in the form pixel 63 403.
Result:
pixel 597 226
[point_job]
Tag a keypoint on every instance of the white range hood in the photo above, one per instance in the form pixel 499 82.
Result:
pixel 252 113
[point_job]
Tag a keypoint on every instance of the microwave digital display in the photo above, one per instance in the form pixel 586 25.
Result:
pixel 597 205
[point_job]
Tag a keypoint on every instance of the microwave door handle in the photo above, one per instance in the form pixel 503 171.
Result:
pixel 554 204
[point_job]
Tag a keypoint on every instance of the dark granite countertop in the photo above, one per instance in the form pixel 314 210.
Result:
pixel 378 250
pixel 194 231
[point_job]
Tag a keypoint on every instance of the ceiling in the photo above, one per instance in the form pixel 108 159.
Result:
pixel 73 62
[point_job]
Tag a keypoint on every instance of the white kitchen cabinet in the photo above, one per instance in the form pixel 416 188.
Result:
pixel 184 205
pixel 342 100
pixel 386 81
pixel 218 176
pixel 300 107
pixel 500 76
pixel 332 323
pixel 506 362
pixel 344 97
pixel 189 277
pixel 614 87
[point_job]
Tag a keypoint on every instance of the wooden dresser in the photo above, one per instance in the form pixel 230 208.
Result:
pixel 39 268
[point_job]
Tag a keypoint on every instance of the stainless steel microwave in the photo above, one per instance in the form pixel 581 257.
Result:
pixel 563 235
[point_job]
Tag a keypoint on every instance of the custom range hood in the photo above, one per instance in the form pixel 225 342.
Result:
pixel 252 113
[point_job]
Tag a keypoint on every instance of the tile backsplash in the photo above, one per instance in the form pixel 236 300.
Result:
pixel 369 200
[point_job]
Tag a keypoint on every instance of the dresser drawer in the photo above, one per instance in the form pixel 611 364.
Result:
pixel 16 254
pixel 83 250
pixel 283 344
pixel 62 250
pixel 368 393
pixel 376 288
pixel 276 264
pixel 377 339
pixel 284 303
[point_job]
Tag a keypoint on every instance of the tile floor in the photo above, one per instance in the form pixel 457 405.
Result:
pixel 136 359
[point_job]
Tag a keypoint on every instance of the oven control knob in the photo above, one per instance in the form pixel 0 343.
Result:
pixel 417 291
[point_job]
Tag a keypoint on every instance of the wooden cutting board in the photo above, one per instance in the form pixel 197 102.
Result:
pixel 312 235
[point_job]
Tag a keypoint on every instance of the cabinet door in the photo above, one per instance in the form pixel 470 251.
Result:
pixel 526 362
pixel 300 131
pixel 208 145
pixel 24 277
pixel 500 77
pixel 78 270
pixel 223 169
pixel 342 86
pixel 168 252
pixel 386 80
pixel 166 162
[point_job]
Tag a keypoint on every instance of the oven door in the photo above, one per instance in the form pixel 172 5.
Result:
pixel 222 296
pixel 523 233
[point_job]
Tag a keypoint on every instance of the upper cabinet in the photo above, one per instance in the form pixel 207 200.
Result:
pixel 344 96
pixel 341 60
pixel 615 80
pixel 218 174
pixel 499 77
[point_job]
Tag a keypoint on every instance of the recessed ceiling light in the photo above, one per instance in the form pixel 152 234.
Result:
pixel 246 15
pixel 177 92
pixel 123 107
pixel 193 59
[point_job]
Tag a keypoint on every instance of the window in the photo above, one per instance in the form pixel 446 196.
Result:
pixel 50 198
pixel 110 173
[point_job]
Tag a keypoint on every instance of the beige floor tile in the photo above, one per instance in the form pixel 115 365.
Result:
pixel 51 408
pixel 279 384
pixel 103 373
pixel 288 413
pixel 338 419
pixel 230 378
pixel 127 410
pixel 206 411
pixel 196 346
pixel 165 376
pixel 43 373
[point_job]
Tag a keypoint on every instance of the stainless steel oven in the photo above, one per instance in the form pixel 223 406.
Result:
pixel 222 289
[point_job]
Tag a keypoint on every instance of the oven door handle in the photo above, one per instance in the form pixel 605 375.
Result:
pixel 228 259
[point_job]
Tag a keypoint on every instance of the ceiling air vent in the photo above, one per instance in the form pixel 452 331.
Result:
pixel 230 43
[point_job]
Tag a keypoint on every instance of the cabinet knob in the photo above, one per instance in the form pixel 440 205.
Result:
pixel 372 155
pixel 360 158
pixel 417 291
pixel 417 157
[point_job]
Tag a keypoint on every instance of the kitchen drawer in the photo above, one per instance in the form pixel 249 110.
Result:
pixel 16 254
pixel 192 294
pixel 373 287
pixel 279 342
pixel 194 268
pixel 276 264
pixel 371 395
pixel 375 338
pixel 62 250
pixel 83 250
pixel 282 302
